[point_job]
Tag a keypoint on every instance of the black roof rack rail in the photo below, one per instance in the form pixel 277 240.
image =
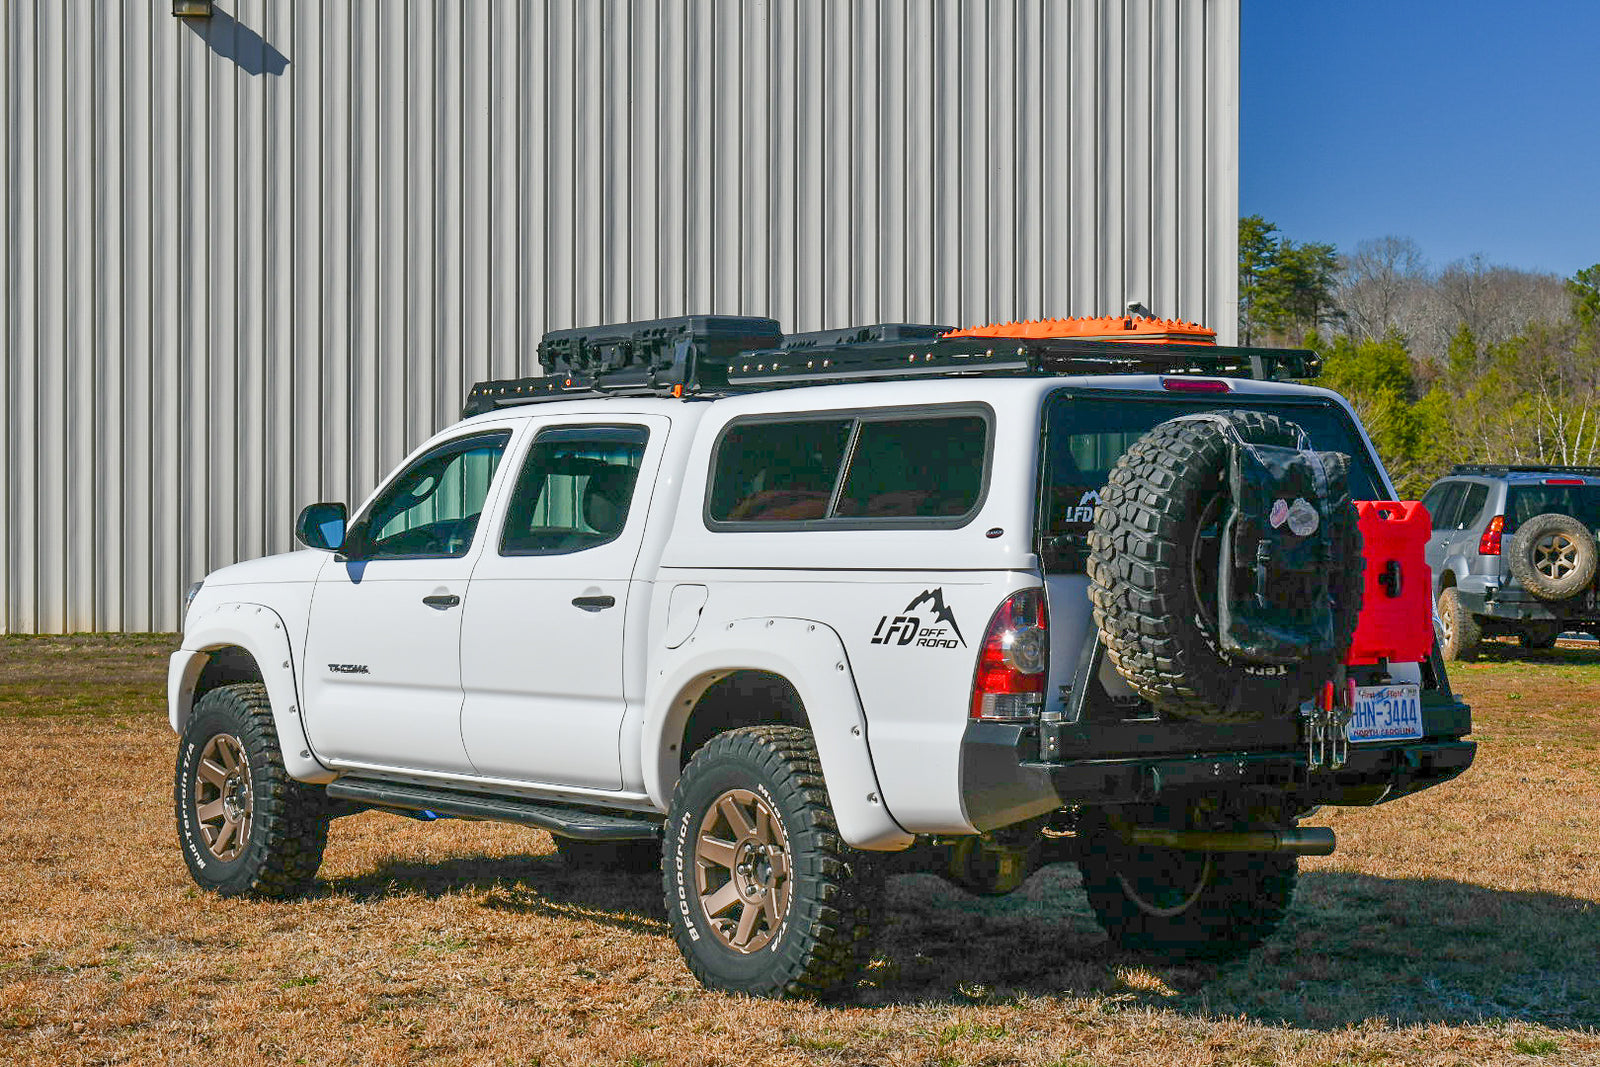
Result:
pixel 1522 468
pixel 715 356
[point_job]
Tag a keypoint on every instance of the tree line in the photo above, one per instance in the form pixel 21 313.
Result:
pixel 1469 363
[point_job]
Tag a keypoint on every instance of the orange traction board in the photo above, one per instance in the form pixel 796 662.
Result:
pixel 1132 328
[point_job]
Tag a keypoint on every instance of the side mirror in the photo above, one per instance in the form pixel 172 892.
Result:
pixel 321 526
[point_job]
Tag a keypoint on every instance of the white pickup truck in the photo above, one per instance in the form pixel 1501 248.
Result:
pixel 780 615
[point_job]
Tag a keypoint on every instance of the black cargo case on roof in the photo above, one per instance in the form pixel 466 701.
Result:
pixel 712 355
pixel 690 350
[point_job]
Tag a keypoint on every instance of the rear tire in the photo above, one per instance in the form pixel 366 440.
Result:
pixel 762 895
pixel 1459 634
pixel 623 857
pixel 245 827
pixel 1186 905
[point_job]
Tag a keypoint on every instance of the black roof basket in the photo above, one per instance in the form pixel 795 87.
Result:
pixel 717 355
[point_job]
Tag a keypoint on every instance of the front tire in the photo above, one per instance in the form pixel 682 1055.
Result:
pixel 762 895
pixel 1186 905
pixel 245 827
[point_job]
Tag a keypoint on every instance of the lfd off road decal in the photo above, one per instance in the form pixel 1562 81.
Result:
pixel 935 628
pixel 1084 512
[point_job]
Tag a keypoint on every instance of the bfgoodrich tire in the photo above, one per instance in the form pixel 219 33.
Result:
pixel 762 895
pixel 1187 905
pixel 1152 571
pixel 1553 556
pixel 1459 631
pixel 245 827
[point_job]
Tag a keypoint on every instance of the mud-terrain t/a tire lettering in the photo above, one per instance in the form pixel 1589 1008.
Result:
pixel 762 895
pixel 245 826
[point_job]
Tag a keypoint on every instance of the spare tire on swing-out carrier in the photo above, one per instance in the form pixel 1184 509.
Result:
pixel 1225 567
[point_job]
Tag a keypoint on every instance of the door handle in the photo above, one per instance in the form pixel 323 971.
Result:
pixel 442 600
pixel 594 603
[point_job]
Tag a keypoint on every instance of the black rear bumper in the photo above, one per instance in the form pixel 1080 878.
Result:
pixel 1004 781
pixel 1511 603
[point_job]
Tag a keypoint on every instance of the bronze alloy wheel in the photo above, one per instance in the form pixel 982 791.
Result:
pixel 1555 555
pixel 742 870
pixel 223 801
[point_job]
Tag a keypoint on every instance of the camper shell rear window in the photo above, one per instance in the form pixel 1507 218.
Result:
pixel 1085 435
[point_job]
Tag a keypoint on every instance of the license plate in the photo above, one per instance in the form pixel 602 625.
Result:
pixel 1385 713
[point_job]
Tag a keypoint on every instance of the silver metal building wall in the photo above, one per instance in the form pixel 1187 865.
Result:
pixel 249 262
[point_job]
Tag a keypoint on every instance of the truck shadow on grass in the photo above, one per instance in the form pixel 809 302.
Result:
pixel 1355 947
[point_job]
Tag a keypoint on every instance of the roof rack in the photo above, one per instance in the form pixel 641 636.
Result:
pixel 716 356
pixel 1522 468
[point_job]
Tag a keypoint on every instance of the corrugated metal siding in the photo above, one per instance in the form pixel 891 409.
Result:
pixel 249 262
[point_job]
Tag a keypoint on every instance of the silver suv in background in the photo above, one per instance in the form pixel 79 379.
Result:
pixel 1513 552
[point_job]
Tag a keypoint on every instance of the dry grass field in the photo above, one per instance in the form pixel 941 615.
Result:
pixel 1459 927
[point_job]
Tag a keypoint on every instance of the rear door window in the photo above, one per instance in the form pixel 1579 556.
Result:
pixel 1445 506
pixel 574 490
pixel 867 471
pixel 1472 503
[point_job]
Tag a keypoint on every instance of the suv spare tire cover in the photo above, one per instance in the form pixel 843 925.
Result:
pixel 1553 556
pixel 1152 574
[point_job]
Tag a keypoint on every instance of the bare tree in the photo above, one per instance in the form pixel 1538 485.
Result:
pixel 1376 282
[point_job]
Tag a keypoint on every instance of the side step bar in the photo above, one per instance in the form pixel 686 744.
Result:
pixel 557 818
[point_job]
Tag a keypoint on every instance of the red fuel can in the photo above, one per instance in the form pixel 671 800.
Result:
pixel 1396 620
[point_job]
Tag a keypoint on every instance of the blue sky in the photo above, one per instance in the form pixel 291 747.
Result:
pixel 1468 125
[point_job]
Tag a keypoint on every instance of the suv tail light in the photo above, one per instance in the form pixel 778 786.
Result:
pixel 1009 684
pixel 1489 543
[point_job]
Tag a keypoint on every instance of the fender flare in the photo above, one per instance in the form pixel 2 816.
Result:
pixel 812 658
pixel 260 631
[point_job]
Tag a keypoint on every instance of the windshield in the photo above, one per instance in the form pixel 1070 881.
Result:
pixel 1523 502
pixel 1085 436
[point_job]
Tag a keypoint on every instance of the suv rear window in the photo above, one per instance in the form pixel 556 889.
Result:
pixel 1085 436
pixel 919 469
pixel 1523 502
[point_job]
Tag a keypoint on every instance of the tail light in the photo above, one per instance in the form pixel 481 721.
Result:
pixel 1009 684
pixel 1489 543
